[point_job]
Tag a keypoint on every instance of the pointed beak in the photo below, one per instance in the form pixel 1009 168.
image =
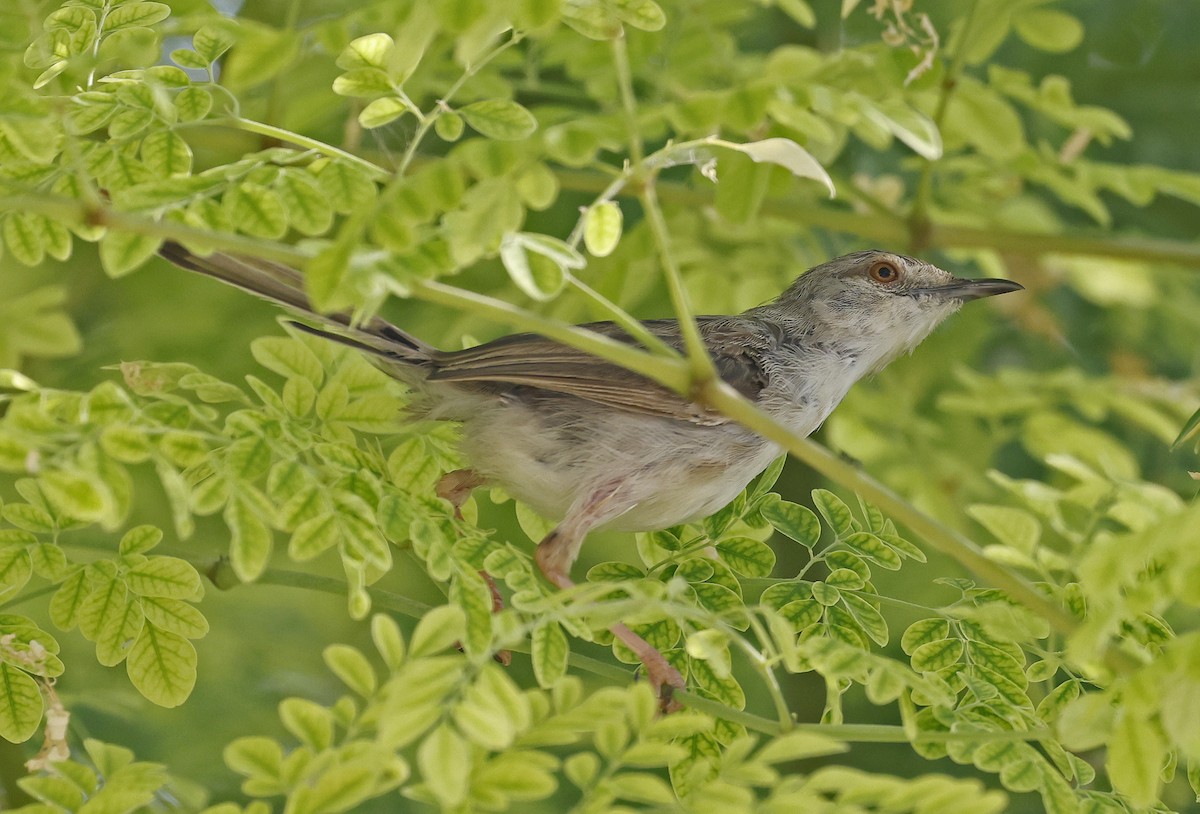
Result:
pixel 967 290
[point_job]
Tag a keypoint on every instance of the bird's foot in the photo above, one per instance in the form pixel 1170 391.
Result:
pixel 663 677
pixel 457 486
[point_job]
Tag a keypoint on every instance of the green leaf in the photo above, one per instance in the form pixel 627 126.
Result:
pixel 175 616
pixel 21 704
pixel 936 655
pixel 366 82
pixel 58 792
pixel 122 252
pixel 250 543
pixel 340 788
pixel 500 119
pixel 784 153
pixel 912 127
pixel 307 210
pixel 798 746
pixel 438 630
pixel 50 562
pixel 1049 29
pixel 747 556
pixel 256 757
pixel 540 280
pixel 256 210
pixel 836 513
pixel 24 240
pixel 924 632
pixel 162 666
pixel 134 15
pixel 212 41
pixel 389 641
pixel 77 495
pixel 314 536
pixel 711 646
pixel 602 228
pixel 167 154
pixel 382 111
pixel 187 58
pixel 371 51
pixel 1013 527
pixel 791 519
pixel 67 600
pixel 288 357
pixel 15 569
pixel 1136 752
pixel 642 787
pixel 642 14
pixel 28 517
pixel 351 666
pixel 120 633
pixel 445 764
pixel 167 577
pixel 826 594
pixel 346 187
pixel 1190 430
pixel 802 13
pixel 448 126
pixel 193 104
pixel 871 548
pixel 867 616
pixel 310 722
pixel 550 653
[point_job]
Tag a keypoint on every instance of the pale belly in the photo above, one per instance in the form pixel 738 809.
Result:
pixel 663 472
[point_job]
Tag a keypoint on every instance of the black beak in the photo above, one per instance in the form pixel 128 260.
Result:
pixel 967 290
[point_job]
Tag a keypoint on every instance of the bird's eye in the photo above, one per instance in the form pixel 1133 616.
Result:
pixel 882 271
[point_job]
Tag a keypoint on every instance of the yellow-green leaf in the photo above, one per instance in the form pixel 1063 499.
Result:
pixel 21 704
pixel 602 228
pixel 162 666
pixel 501 119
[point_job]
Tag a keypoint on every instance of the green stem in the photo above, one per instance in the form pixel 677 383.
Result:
pixel 953 544
pixel 763 667
pixel 73 211
pixel 918 218
pixel 427 120
pixel 619 315
pixel 700 363
pixel 376 172
pixel 628 100
pixel 888 230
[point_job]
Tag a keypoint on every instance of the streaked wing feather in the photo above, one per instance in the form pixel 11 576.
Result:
pixel 533 361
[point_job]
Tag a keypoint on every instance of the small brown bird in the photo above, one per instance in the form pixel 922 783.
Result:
pixel 597 446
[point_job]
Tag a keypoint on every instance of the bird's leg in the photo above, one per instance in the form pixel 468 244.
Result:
pixel 456 487
pixel 557 553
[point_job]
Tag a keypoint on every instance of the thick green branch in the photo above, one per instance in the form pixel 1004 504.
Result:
pixel 891 231
pixel 699 362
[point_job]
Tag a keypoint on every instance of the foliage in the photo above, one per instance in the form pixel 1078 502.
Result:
pixel 590 159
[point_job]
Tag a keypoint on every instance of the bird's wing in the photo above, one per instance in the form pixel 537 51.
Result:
pixel 529 360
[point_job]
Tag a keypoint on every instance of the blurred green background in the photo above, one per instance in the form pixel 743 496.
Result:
pixel 1139 321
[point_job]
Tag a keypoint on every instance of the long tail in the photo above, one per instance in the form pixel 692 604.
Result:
pixel 285 286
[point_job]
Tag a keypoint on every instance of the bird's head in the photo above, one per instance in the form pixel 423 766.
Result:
pixel 881 304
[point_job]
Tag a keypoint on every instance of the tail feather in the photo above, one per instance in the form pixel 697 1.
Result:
pixel 285 286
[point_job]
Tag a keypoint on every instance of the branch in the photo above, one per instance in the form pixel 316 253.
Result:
pixel 802 210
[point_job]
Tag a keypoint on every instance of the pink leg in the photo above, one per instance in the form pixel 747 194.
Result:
pixel 557 553
pixel 456 487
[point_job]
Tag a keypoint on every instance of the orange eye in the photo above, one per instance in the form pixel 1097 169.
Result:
pixel 882 271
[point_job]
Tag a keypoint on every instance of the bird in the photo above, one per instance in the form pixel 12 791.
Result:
pixel 594 446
